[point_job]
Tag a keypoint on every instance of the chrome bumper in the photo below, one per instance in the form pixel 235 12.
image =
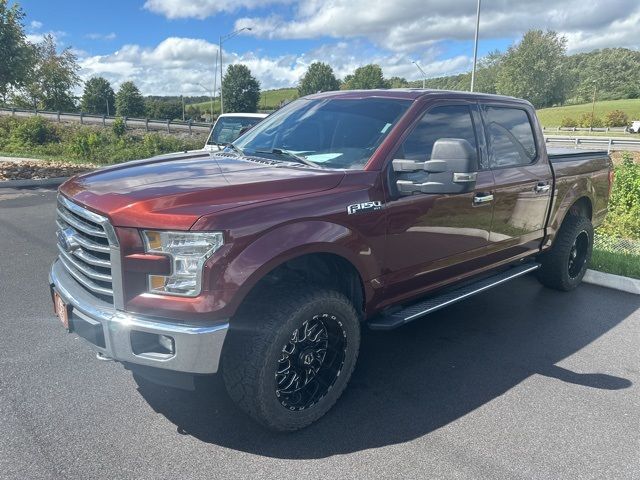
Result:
pixel 197 349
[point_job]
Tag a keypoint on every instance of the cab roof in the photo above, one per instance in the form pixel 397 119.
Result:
pixel 411 94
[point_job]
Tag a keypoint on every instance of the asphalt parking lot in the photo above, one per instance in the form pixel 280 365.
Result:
pixel 518 382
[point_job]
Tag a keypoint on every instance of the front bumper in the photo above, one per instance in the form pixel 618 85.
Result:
pixel 196 349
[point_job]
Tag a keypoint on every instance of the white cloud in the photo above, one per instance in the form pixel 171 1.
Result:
pixel 178 65
pixel 407 25
pixel 35 24
pixel 101 36
pixel 38 37
pixel 203 8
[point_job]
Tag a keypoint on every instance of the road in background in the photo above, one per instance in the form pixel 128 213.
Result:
pixel 131 123
pixel 517 382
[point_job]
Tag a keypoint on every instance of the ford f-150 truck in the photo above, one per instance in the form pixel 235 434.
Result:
pixel 341 211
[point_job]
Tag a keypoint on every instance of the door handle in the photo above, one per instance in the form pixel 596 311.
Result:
pixel 481 198
pixel 542 187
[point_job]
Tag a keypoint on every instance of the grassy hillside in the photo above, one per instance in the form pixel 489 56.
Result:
pixel 269 99
pixel 551 117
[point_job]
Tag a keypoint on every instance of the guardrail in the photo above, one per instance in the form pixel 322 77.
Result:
pixel 586 129
pixel 595 142
pixel 104 120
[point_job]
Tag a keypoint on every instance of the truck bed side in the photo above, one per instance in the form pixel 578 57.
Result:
pixel 578 174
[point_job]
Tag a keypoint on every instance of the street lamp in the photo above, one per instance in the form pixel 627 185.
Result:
pixel 475 48
pixel 224 38
pixel 424 75
pixel 210 96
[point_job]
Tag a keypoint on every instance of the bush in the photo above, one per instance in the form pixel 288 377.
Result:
pixel 41 138
pixel 569 122
pixel 34 131
pixel 616 118
pixel 585 121
pixel 623 219
pixel 119 128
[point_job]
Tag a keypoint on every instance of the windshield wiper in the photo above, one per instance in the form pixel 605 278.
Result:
pixel 289 154
pixel 232 147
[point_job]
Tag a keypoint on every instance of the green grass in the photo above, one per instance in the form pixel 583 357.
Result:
pixel 551 117
pixel 269 99
pixel 627 265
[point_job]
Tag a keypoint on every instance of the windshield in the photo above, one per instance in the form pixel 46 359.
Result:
pixel 330 132
pixel 227 129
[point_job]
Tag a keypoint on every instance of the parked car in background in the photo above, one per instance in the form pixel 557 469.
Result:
pixel 634 127
pixel 341 211
pixel 229 126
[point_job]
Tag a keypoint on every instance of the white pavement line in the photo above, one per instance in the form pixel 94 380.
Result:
pixel 609 280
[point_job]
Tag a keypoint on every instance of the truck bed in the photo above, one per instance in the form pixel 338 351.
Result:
pixel 571 154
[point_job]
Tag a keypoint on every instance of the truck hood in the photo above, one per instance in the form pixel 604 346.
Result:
pixel 173 191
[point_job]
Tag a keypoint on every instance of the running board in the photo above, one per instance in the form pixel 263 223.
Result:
pixel 417 310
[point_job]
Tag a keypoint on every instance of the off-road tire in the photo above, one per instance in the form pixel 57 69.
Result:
pixel 254 347
pixel 555 270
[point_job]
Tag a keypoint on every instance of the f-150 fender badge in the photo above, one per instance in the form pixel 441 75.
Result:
pixel 364 207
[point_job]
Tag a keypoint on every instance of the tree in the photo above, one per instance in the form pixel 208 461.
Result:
pixel 365 78
pixel 98 97
pixel 51 81
pixel 398 82
pixel 534 69
pixel 163 108
pixel 319 77
pixel 16 54
pixel 129 102
pixel 240 90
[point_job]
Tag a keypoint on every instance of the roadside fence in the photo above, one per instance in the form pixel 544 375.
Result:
pixel 169 126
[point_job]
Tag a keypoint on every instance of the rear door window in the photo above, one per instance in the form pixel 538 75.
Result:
pixel 447 121
pixel 511 139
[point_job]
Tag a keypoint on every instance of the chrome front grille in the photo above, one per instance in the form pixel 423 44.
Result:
pixel 85 241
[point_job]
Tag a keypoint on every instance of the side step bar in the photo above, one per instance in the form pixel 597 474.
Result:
pixel 417 310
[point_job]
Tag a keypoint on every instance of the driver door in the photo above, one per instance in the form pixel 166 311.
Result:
pixel 433 239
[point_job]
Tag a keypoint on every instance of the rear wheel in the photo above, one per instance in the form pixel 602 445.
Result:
pixel 289 368
pixel 564 266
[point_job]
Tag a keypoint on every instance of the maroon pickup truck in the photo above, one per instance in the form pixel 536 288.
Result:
pixel 341 211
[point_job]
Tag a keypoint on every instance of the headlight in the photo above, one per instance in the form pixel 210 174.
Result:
pixel 188 252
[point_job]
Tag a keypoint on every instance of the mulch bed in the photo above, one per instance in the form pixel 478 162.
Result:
pixel 35 170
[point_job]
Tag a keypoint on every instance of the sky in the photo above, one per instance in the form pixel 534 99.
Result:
pixel 169 47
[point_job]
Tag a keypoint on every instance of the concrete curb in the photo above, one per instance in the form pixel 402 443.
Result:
pixel 610 280
pixel 41 182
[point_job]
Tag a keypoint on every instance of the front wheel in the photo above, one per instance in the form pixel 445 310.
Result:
pixel 291 365
pixel 564 266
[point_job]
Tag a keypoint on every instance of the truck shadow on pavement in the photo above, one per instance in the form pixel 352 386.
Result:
pixel 414 380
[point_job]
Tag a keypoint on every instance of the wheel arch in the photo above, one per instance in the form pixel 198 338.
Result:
pixel 300 247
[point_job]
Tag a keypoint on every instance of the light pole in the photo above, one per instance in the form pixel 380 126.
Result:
pixel 593 105
pixel 210 96
pixel 475 48
pixel 424 75
pixel 224 38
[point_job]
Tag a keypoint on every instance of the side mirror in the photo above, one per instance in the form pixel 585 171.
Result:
pixel 452 169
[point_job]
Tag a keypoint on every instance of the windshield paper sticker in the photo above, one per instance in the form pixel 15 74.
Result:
pixel 364 207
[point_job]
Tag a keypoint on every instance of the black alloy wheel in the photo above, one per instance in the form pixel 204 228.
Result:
pixel 310 362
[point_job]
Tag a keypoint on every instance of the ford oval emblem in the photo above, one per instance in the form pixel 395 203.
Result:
pixel 67 239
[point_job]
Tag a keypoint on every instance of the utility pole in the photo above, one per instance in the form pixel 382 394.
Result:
pixel 424 75
pixel 106 99
pixel 182 100
pixel 475 48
